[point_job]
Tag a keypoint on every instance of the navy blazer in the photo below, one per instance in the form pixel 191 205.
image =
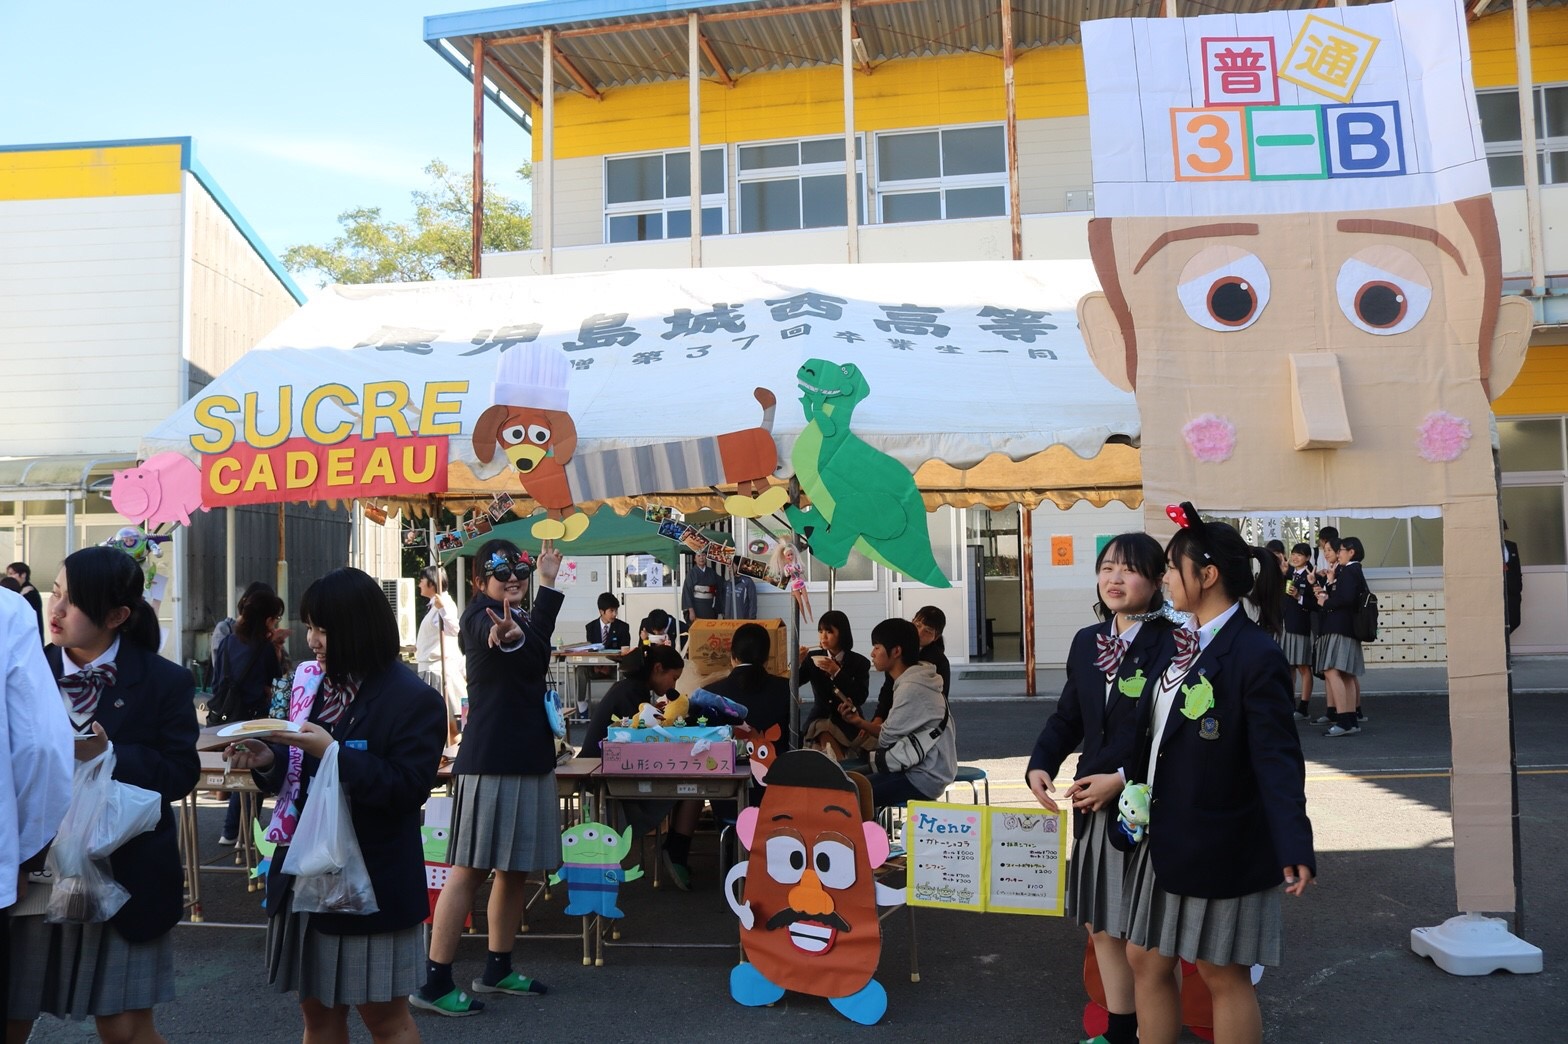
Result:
pixel 1106 726
pixel 402 723
pixel 508 731
pixel 1298 608
pixel 620 635
pixel 1229 807
pixel 765 697
pixel 1344 596
pixel 854 681
pixel 149 714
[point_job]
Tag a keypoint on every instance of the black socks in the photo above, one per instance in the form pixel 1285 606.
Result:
pixel 1122 1029
pixel 497 967
pixel 438 981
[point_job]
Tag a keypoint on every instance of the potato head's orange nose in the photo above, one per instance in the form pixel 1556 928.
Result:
pixel 1318 401
pixel 809 897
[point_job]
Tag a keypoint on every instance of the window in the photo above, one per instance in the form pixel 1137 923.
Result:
pixel 955 172
pixel 1535 522
pixel 1500 128
pixel 1531 445
pixel 796 184
pixel 649 196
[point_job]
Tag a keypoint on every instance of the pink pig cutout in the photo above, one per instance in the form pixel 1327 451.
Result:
pixel 164 488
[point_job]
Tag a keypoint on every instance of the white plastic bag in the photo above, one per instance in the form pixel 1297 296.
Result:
pixel 103 815
pixel 324 857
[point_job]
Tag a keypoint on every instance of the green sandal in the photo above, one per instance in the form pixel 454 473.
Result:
pixel 515 984
pixel 454 1004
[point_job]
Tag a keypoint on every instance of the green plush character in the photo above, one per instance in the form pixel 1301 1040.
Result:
pixel 1132 687
pixel 1133 805
pixel 861 498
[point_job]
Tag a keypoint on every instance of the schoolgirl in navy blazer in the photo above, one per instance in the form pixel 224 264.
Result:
pixel 1106 725
pixel 389 747
pixel 149 714
pixel 1229 806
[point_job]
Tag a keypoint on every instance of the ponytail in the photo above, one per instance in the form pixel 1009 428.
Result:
pixel 1268 588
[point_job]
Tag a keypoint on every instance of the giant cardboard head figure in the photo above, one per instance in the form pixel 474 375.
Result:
pixel 809 919
pixel 1301 284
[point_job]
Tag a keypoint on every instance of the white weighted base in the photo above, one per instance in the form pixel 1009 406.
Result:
pixel 1473 944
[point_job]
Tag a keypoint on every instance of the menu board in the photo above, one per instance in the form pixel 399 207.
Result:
pixel 985 859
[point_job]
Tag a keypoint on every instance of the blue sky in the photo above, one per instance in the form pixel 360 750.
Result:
pixel 298 110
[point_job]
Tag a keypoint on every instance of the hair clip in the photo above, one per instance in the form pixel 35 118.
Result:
pixel 1186 516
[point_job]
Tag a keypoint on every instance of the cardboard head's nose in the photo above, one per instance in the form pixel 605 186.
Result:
pixel 1317 401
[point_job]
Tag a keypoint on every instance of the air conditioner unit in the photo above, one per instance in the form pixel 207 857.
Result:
pixel 400 596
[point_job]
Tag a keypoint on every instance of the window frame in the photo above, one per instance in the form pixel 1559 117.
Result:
pixel 943 182
pixel 666 205
pixel 798 172
pixel 1546 146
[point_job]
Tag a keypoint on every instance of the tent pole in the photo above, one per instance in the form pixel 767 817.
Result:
pixel 231 597
pixel 282 576
pixel 694 133
pixel 832 583
pixel 1026 567
pixel 851 189
pixel 478 189
pixel 1014 192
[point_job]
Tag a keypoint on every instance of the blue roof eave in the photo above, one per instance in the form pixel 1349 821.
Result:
pixel 554 14
pixel 465 69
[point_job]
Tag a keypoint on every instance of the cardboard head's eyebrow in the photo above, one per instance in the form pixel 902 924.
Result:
pixel 1176 235
pixel 1382 227
pixel 840 810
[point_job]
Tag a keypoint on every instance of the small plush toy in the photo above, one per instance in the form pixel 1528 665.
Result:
pixel 1134 808
pixel 143 547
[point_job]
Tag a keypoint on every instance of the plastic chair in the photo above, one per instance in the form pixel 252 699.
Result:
pixel 897 863
pixel 975 776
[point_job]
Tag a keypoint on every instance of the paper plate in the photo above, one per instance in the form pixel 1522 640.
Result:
pixel 249 728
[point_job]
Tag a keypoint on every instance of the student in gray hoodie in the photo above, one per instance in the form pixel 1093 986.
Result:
pixel 917 751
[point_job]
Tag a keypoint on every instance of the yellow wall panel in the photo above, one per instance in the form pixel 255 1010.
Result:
pixel 915 92
pixel 1542 385
pixel 132 170
pixel 1492 47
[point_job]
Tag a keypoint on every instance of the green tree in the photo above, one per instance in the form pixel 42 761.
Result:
pixel 436 245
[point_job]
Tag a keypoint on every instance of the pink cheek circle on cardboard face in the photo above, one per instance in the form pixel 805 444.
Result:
pixel 1443 437
pixel 1210 438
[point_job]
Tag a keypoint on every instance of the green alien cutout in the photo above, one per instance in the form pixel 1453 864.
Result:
pixel 1132 687
pixel 1198 699
pixel 591 855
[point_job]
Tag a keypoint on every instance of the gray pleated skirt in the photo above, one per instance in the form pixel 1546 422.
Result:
pixel 1095 877
pixel 507 823
pixel 1298 649
pixel 1336 652
pixel 342 969
pixel 1245 930
pixel 77 970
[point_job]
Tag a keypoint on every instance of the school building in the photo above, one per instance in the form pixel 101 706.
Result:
pixel 127 281
pixel 967 122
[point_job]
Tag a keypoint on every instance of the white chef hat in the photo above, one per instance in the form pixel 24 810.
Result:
pixel 1359 108
pixel 532 375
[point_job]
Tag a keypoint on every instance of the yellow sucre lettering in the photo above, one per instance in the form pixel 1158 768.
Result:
pixel 298 476
pixel 424 474
pixel 310 421
pixel 216 479
pixel 223 430
pixel 261 474
pixel 340 464
pixel 391 411
pixel 253 436
pixel 433 408
pixel 380 466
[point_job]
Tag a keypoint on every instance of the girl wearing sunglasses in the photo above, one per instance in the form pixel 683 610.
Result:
pixel 506 816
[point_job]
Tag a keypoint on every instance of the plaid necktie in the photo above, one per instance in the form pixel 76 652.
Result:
pixel 1109 651
pixel 335 698
pixel 1186 649
pixel 83 689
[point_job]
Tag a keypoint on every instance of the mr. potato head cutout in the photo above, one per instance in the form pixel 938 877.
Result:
pixel 809 918
pixel 1301 282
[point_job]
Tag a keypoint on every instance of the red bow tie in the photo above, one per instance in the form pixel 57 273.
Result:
pixel 1109 651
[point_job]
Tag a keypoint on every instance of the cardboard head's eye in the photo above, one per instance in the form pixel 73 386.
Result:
pixel 514 434
pixel 1383 290
pixel 786 858
pixel 834 862
pixel 538 434
pixel 1223 288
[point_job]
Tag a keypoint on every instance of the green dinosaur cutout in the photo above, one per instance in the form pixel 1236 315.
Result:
pixel 861 498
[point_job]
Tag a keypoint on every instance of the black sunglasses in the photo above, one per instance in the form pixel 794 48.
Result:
pixel 504 569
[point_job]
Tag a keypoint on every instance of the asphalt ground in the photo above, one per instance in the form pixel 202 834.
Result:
pixel 1379 803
